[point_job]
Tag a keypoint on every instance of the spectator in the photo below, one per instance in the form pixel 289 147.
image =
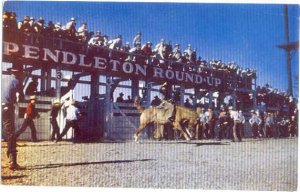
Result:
pixel 32 24
pixel 147 49
pixel 129 100
pixel 58 32
pixel 39 26
pixel 71 29
pixel 187 103
pixel 156 101
pixel 95 41
pixel 176 54
pixel 49 30
pixel 269 122
pixel 224 122
pixel 32 87
pixel 115 43
pixel 255 122
pixel 211 120
pixel 126 48
pixel 168 50
pixel 137 39
pixel 237 125
pixel 188 52
pixel 82 32
pixel 203 118
pixel 30 114
pixel 120 98
pixel 160 48
pixel 24 25
pixel 105 41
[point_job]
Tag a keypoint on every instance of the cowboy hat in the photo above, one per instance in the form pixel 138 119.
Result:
pixel 32 97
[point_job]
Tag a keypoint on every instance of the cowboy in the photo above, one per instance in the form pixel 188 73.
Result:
pixel 72 117
pixel 224 122
pixel 53 115
pixel 11 85
pixel 237 124
pixel 255 122
pixel 166 91
pixel 30 114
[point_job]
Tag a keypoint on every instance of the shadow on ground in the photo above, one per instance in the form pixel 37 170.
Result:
pixel 56 165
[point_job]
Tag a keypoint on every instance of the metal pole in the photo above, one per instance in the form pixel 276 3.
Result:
pixel 288 51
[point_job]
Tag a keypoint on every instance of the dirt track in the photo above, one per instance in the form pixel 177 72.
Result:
pixel 269 164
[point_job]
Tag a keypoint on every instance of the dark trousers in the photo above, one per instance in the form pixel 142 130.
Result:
pixel 255 130
pixel 28 122
pixel 236 131
pixel 74 125
pixel 55 129
pixel 211 129
pixel 8 118
pixel 222 131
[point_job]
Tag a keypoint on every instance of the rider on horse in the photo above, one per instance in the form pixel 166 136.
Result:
pixel 166 90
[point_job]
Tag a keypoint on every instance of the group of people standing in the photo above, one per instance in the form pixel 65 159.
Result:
pixel 12 93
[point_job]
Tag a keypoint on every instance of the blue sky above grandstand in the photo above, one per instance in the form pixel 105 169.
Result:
pixel 245 33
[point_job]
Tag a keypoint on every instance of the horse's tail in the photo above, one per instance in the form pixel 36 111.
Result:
pixel 137 104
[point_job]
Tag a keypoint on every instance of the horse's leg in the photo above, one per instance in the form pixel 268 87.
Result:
pixel 138 131
pixel 179 127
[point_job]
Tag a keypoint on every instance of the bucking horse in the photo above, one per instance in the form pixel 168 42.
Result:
pixel 160 115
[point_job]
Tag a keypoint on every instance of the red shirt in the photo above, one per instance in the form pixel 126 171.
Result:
pixel 31 111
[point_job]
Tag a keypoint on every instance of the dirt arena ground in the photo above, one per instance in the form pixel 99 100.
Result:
pixel 266 164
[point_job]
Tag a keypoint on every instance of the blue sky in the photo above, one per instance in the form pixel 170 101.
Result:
pixel 245 33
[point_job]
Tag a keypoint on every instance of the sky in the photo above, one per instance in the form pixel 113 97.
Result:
pixel 247 34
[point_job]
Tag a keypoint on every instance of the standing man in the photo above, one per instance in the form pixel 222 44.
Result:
pixel 255 122
pixel 72 117
pixel 211 120
pixel 54 112
pixel 237 124
pixel 11 85
pixel 224 122
pixel 30 114
pixel 137 39
pixel 32 87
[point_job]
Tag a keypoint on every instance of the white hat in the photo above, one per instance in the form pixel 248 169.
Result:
pixel 72 19
pixel 56 101
pixel 32 97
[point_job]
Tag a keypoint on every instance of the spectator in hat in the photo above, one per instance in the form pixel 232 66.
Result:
pixel 211 121
pixel 12 21
pixel 255 122
pixel 269 123
pixel 237 125
pixel 201 129
pixel 11 84
pixel 147 49
pixel 49 29
pixel 156 101
pixel 82 32
pixel 187 103
pixel 72 117
pixel 105 41
pixel 120 98
pixel 115 43
pixel 24 25
pixel 32 87
pixel 168 50
pixel 32 24
pixel 189 52
pixel 58 32
pixel 224 123
pixel 53 116
pixel 39 26
pixel 126 48
pixel 30 114
pixel 71 29
pixel 137 39
pixel 159 49
pixel 176 54
pixel 95 41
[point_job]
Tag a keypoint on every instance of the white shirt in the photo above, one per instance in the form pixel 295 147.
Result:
pixel 255 119
pixel 234 115
pixel 203 118
pixel 94 41
pixel 72 113
pixel 115 43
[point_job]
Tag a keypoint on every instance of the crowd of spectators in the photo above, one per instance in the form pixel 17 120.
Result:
pixel 162 53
